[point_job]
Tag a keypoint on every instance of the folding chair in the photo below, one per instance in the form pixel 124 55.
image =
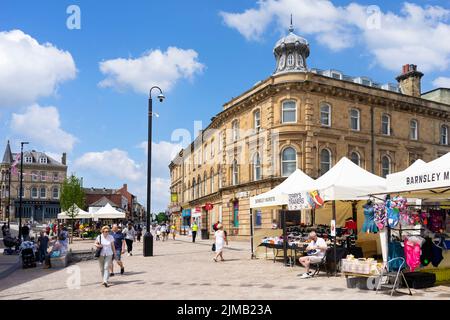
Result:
pixel 385 272
pixel 321 263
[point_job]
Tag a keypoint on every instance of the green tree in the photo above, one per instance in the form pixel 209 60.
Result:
pixel 161 217
pixel 72 194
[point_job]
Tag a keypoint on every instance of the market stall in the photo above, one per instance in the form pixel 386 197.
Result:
pixel 418 231
pixel 108 212
pixel 77 213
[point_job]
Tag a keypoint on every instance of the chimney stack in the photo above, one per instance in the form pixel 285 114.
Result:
pixel 64 158
pixel 409 80
pixel 125 187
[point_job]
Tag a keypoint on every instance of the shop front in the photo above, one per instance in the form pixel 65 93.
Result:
pixel 176 216
pixel 185 221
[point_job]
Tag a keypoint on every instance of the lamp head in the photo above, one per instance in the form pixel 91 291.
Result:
pixel 161 97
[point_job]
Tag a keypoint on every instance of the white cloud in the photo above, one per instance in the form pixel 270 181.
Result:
pixel 42 126
pixel 113 162
pixel 30 70
pixel 419 35
pixel 162 154
pixel 442 82
pixel 153 68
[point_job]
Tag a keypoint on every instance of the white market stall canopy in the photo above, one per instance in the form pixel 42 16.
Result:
pixel 108 212
pixel 348 181
pixel 79 214
pixel 278 196
pixel 425 180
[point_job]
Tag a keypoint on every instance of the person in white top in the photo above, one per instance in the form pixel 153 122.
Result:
pixel 316 251
pixel 106 242
pixel 130 236
pixel 221 239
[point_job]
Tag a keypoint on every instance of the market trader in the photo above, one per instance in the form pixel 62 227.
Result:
pixel 316 251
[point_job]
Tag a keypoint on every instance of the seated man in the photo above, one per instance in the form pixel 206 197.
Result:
pixel 316 251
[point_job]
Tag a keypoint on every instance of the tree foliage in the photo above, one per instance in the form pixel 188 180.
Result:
pixel 72 194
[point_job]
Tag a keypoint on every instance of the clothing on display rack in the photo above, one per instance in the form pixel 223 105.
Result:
pixel 380 216
pixel 412 253
pixel 350 224
pixel 396 251
pixel 369 225
pixel 437 220
pixel 427 252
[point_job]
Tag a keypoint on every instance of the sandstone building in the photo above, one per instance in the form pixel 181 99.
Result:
pixel 308 119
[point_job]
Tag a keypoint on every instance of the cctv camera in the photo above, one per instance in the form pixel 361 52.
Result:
pixel 161 97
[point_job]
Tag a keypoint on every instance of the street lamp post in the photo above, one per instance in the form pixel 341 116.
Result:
pixel 21 189
pixel 9 197
pixel 148 237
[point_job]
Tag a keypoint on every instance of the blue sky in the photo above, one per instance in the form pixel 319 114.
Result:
pixel 96 104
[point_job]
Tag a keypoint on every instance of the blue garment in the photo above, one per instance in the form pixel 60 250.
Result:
pixel 118 239
pixel 395 250
pixel 369 223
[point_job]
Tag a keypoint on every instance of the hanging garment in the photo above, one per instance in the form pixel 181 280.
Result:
pixel 393 216
pixel 395 251
pixel 351 225
pixel 436 222
pixel 380 216
pixel 412 254
pixel 437 252
pixel 427 252
pixel 369 223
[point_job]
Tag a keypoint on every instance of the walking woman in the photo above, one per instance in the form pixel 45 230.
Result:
pixel 106 242
pixel 130 236
pixel 221 239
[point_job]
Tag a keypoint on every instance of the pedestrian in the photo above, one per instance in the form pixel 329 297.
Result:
pixel 4 227
pixel 221 239
pixel 173 229
pixel 194 231
pixel 106 242
pixel 119 244
pixel 139 233
pixel 163 231
pixel 167 230
pixel 42 241
pixel 158 232
pixel 26 232
pixel 130 236
pixel 215 225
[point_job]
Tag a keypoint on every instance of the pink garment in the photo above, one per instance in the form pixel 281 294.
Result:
pixel 412 254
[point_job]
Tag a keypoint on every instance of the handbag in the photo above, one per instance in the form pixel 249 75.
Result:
pixel 213 247
pixel 99 250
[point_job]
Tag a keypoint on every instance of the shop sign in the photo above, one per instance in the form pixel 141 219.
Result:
pixel 298 201
pixel 186 213
pixel 175 209
pixel 428 178
pixel 333 228
pixel 209 206
pixel 197 212
pixel 243 194
pixel 174 197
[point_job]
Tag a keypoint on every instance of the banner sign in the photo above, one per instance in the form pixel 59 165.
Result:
pixel 174 197
pixel 305 200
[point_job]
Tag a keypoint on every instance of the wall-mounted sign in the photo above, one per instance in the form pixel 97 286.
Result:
pixel 242 194
pixel 209 206
pixel 174 197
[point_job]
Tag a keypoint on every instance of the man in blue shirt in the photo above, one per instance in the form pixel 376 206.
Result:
pixel 119 244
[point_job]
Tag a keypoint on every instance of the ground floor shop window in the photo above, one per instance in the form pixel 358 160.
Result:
pixel 236 214
pixel 258 218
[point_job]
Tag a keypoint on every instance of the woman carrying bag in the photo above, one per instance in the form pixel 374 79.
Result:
pixel 105 251
pixel 221 239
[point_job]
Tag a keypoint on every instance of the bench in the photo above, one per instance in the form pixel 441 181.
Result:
pixel 60 262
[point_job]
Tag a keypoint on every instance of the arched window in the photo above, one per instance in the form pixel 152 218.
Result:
pixel 385 166
pixel 211 181
pixel 34 192
pixel 355 119
pixel 386 124
pixel 235 173
pixel 413 130
pixel 256 167
pixel 219 173
pixel 205 181
pixel 235 128
pixel 290 60
pixel 444 135
pixel 199 187
pixel 257 120
pixel 325 161
pixel 193 189
pixel 43 193
pixel 288 161
pixel 356 158
pixel 289 112
pixel 325 115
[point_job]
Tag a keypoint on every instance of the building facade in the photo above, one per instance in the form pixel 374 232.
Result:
pixel 42 181
pixel 308 119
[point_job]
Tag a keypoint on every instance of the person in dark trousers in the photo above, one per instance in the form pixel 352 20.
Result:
pixel 194 231
pixel 139 233
pixel 130 236
pixel 26 233
pixel 43 241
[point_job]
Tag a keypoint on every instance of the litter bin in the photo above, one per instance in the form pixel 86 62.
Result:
pixel 205 234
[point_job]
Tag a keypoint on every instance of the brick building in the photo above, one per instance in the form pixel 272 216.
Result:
pixel 308 119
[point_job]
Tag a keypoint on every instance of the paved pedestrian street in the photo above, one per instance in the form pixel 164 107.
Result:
pixel 184 270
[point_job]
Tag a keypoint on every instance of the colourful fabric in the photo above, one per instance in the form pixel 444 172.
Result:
pixel 412 254
pixel 369 223
pixel 380 216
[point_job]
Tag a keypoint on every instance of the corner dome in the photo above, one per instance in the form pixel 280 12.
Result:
pixel 291 52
